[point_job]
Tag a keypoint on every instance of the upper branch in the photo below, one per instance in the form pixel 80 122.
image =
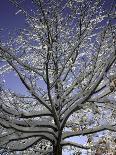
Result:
pixel 88 92
pixel 28 86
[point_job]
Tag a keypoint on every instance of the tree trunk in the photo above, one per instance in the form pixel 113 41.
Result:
pixel 57 150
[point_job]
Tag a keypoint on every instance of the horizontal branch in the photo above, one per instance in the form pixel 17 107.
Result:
pixel 28 122
pixel 20 113
pixel 10 125
pixel 66 143
pixel 14 136
pixel 89 131
pixel 102 100
pixel 18 146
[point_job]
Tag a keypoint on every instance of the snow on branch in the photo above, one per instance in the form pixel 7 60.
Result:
pixel 89 131
pixel 20 113
pixel 18 146
pixel 69 143
pixel 10 125
pixel 29 87
pixel 87 92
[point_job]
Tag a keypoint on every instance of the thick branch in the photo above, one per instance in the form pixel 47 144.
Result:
pixel 13 126
pixel 89 131
pixel 20 113
pixel 18 146
pixel 66 143
pixel 9 137
pixel 28 122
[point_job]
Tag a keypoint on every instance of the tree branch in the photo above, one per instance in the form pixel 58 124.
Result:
pixel 89 131
pixel 29 88
pixel 66 143
pixel 88 92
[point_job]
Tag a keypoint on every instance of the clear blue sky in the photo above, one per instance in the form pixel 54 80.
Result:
pixel 8 19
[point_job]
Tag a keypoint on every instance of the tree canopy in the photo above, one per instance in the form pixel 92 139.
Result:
pixel 65 58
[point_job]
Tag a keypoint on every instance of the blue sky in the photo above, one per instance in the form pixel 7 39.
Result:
pixel 8 19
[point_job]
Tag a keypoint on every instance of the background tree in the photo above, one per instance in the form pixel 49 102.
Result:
pixel 65 58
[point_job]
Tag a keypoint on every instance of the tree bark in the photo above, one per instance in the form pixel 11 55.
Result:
pixel 57 150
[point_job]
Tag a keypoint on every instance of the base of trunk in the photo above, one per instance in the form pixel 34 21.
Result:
pixel 57 150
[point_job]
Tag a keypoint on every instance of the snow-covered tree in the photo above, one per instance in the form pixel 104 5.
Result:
pixel 65 58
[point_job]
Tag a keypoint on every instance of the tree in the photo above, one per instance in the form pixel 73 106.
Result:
pixel 65 58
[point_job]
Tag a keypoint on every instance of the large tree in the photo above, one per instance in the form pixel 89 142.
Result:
pixel 65 58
